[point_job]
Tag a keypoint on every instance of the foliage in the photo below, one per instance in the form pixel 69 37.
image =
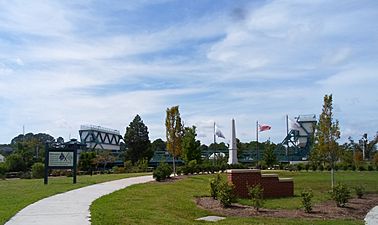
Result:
pixel 38 170
pixel 226 194
pixel 15 163
pixel 269 155
pixel 87 161
pixel 103 158
pixel 214 186
pixel 326 135
pixel 360 190
pixel 158 145
pixel 256 194
pixel 142 165
pixel 307 196
pixel 190 147
pixel 162 172
pixel 340 194
pixel 358 158
pixel 3 169
pixel 137 141
pixel 174 133
pixel 375 159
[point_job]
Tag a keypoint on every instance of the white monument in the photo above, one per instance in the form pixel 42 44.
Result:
pixel 232 153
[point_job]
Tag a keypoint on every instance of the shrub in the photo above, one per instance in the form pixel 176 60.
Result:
pixel 256 193
pixel 307 200
pixel 340 194
pixel 321 167
pixel 215 185
pixel 162 172
pixel 307 166
pixel 370 167
pixel 26 175
pixel 361 168
pixel 314 167
pixel 225 194
pixel 3 170
pixel 353 168
pixel 38 170
pixel 359 190
pixel 299 166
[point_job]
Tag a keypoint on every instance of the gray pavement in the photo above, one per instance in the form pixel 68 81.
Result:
pixel 372 217
pixel 71 207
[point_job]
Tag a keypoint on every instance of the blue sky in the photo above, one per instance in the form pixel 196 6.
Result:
pixel 67 63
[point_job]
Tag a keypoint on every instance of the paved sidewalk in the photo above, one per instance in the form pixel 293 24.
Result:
pixel 71 207
pixel 372 217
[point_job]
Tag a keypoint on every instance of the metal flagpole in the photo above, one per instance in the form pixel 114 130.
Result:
pixel 287 133
pixel 257 141
pixel 215 141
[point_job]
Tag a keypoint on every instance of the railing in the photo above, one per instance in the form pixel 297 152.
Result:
pixel 99 128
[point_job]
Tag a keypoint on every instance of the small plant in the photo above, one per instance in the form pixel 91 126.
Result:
pixel 257 196
pixel 162 172
pixel 307 200
pixel 225 194
pixel 38 170
pixel 359 190
pixel 215 185
pixel 340 194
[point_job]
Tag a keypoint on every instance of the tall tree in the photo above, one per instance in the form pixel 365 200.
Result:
pixel 326 136
pixel 174 133
pixel 190 147
pixel 137 141
pixel 158 145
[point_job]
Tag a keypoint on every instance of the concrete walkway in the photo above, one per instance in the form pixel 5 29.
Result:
pixel 71 207
pixel 372 217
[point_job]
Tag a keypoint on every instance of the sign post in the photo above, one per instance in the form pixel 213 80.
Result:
pixel 63 156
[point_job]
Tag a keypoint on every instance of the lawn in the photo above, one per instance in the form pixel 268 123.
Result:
pixel 15 194
pixel 174 202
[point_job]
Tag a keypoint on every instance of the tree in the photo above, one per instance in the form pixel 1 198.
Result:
pixel 103 158
pixel 269 156
pixel 87 161
pixel 15 163
pixel 174 133
pixel 190 147
pixel 158 145
pixel 327 133
pixel 137 141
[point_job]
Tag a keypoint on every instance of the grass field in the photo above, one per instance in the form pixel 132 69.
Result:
pixel 15 194
pixel 174 202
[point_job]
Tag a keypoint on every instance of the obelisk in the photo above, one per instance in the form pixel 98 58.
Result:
pixel 232 153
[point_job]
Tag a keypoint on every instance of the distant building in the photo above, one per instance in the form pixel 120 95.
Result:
pixel 100 138
pixel 2 158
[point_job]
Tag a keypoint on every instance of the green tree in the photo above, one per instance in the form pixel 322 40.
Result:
pixel 190 147
pixel 174 133
pixel 15 163
pixel 158 145
pixel 87 161
pixel 326 136
pixel 269 156
pixel 137 141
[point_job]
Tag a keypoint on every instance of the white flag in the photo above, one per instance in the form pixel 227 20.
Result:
pixel 294 125
pixel 218 132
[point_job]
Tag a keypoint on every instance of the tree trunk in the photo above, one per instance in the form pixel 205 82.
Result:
pixel 174 166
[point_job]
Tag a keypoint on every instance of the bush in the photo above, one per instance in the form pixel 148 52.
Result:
pixel 340 194
pixel 361 168
pixel 26 175
pixel 162 172
pixel 307 166
pixel 225 194
pixel 15 163
pixel 38 170
pixel 321 167
pixel 214 186
pixel 3 170
pixel 353 168
pixel 256 193
pixel 359 190
pixel 300 166
pixel 307 200
pixel 370 167
pixel 314 167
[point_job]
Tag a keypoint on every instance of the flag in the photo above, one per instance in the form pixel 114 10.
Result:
pixel 218 132
pixel 264 127
pixel 294 125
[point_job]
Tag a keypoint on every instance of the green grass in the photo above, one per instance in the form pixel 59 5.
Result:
pixel 15 194
pixel 174 202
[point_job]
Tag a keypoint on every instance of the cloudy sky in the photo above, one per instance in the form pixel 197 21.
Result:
pixel 67 63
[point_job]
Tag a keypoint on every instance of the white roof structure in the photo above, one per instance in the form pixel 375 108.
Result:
pixel 2 158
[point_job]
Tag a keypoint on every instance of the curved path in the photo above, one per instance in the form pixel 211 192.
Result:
pixel 71 207
pixel 372 217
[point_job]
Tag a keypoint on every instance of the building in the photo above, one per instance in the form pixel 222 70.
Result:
pixel 101 139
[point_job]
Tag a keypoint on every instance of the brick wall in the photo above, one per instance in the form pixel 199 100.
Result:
pixel 272 185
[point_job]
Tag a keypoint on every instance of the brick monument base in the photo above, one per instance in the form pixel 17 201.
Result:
pixel 272 185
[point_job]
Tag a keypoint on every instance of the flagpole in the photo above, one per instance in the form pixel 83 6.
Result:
pixel 287 133
pixel 257 141
pixel 215 141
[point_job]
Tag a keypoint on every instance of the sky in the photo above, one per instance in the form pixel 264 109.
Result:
pixel 68 63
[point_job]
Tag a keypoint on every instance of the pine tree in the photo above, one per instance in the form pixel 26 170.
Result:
pixel 174 133
pixel 137 141
pixel 326 136
pixel 190 147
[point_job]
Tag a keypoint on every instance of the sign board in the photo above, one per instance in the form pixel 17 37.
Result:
pixel 61 159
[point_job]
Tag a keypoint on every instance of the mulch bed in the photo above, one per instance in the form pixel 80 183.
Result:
pixel 355 209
